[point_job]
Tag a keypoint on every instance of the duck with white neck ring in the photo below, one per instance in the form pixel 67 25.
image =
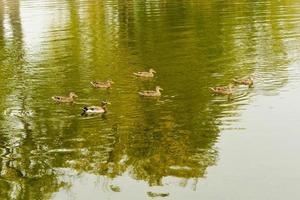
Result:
pixel 96 109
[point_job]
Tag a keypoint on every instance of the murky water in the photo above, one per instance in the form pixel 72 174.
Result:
pixel 187 144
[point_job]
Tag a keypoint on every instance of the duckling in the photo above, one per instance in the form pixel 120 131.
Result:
pixel 62 99
pixel 224 90
pixel 244 81
pixel 149 74
pixel 95 109
pixel 98 84
pixel 151 93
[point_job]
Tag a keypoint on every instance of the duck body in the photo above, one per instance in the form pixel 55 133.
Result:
pixel 64 99
pixel 244 81
pixel 224 90
pixel 97 84
pixel 95 109
pixel 151 93
pixel 149 74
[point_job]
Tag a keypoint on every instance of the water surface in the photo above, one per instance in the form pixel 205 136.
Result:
pixel 187 144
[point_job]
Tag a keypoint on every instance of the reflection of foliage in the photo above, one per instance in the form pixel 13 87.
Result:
pixel 22 174
pixel 155 194
pixel 156 154
pixel 28 182
pixel 115 188
pixel 149 140
pixel 150 154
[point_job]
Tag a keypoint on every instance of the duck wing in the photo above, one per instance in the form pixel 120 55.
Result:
pixel 141 73
pixel 137 73
pixel 95 83
pixel 94 108
pixel 58 98
pixel 148 93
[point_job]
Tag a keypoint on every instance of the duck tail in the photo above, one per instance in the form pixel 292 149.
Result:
pixel 236 81
pixel 84 109
pixel 212 89
pixel 55 98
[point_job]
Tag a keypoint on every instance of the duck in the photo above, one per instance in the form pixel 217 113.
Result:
pixel 95 109
pixel 151 93
pixel 224 90
pixel 244 81
pixel 63 99
pixel 106 84
pixel 149 74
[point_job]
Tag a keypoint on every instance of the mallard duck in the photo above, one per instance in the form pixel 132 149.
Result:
pixel 96 109
pixel 224 90
pixel 98 84
pixel 151 93
pixel 244 81
pixel 145 74
pixel 62 99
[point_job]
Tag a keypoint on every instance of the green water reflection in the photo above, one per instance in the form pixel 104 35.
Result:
pixel 52 48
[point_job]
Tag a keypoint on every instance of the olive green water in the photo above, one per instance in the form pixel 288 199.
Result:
pixel 187 144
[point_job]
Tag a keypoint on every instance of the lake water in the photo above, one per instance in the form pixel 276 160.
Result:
pixel 187 144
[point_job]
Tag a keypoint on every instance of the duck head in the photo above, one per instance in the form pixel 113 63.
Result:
pixel 152 70
pixel 158 88
pixel 72 94
pixel 230 86
pixel 104 103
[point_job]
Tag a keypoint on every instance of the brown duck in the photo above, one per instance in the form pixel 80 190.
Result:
pixel 149 74
pixel 63 99
pixel 224 90
pixel 106 84
pixel 151 93
pixel 244 81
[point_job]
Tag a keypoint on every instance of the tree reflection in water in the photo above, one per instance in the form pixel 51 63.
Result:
pixel 192 46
